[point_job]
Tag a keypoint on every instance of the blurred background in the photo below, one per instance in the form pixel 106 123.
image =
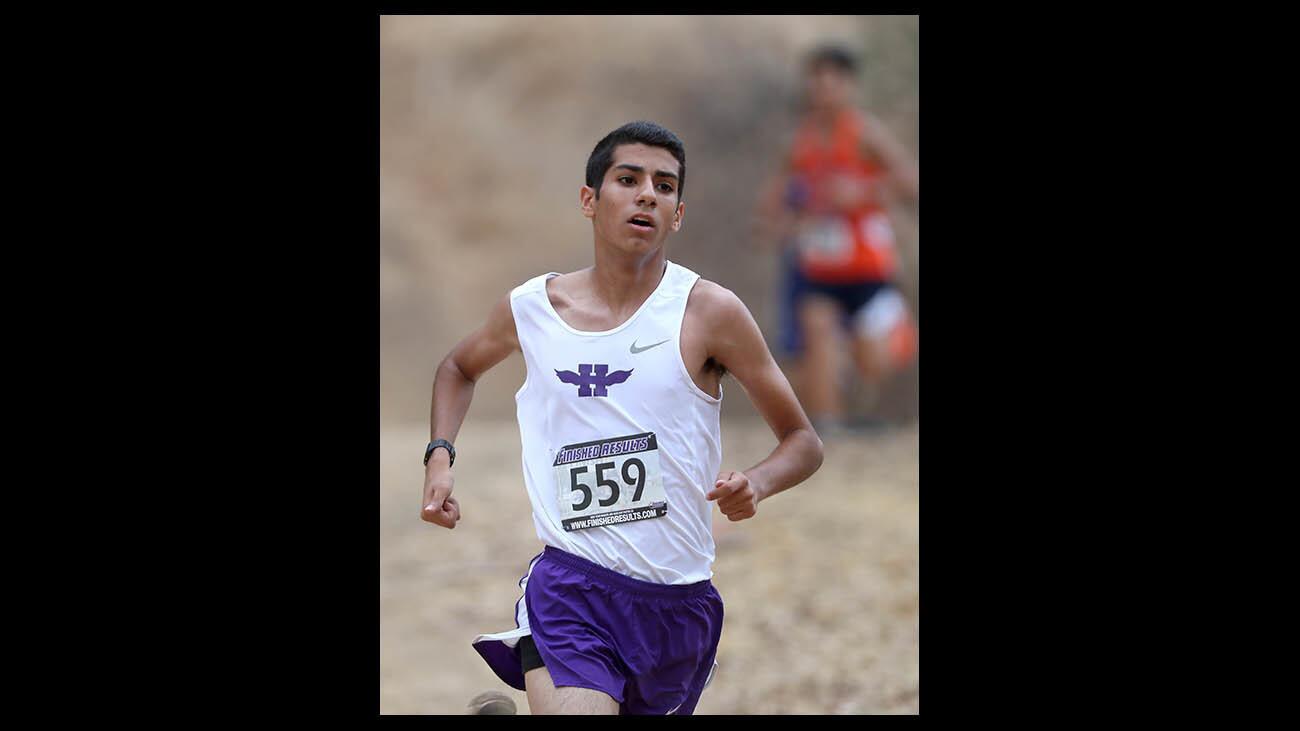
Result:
pixel 486 123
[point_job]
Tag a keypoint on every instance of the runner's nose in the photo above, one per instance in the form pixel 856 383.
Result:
pixel 646 196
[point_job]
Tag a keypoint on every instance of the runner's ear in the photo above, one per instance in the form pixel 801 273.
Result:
pixel 677 217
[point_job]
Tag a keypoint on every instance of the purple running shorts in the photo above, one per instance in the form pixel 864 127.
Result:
pixel 652 647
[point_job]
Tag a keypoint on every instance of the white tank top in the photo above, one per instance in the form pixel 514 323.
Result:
pixel 619 444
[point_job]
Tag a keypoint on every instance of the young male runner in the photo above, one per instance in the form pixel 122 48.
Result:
pixel 619 420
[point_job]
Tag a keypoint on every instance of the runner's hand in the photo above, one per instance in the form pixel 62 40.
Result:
pixel 736 497
pixel 439 507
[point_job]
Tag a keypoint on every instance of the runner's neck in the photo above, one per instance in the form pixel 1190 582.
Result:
pixel 623 283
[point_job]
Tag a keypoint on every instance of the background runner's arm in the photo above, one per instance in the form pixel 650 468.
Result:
pixel 878 143
pixel 453 384
pixel 772 217
pixel 737 343
pixel 770 214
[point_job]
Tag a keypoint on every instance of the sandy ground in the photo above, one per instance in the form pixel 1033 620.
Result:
pixel 821 588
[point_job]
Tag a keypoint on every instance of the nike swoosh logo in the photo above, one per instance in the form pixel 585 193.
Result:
pixel 636 350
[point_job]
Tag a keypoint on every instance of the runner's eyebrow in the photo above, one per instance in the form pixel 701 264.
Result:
pixel 639 169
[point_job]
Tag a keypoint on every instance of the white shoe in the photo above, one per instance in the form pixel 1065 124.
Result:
pixel 492 703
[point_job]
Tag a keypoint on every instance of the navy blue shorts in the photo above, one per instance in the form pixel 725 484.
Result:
pixel 851 297
pixel 795 286
pixel 651 647
pixel 792 286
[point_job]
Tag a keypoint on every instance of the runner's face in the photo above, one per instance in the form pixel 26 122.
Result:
pixel 639 201
pixel 828 88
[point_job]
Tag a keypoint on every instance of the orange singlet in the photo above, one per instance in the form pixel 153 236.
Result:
pixel 840 246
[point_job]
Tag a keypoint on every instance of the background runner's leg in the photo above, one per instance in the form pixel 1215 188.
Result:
pixel 819 319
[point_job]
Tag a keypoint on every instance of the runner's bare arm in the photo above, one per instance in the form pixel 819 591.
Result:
pixel 453 389
pixel 772 217
pixel 453 385
pixel 736 343
pixel 878 143
pixel 769 212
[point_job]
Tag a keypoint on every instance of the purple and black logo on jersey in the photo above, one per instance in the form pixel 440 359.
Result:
pixel 593 384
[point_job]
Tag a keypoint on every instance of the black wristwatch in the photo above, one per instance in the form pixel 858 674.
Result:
pixel 428 451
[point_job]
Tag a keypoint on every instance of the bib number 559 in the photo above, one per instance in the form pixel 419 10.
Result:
pixel 636 480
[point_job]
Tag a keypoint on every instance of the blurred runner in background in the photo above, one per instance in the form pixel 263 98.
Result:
pixel 827 206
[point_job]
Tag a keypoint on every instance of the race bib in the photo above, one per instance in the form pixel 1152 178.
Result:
pixel 609 482
pixel 878 233
pixel 825 241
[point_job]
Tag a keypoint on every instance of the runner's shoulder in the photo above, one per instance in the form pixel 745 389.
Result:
pixel 561 290
pixel 863 118
pixel 501 318
pixel 714 303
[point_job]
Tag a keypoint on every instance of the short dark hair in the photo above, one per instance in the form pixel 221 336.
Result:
pixel 646 133
pixel 833 55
